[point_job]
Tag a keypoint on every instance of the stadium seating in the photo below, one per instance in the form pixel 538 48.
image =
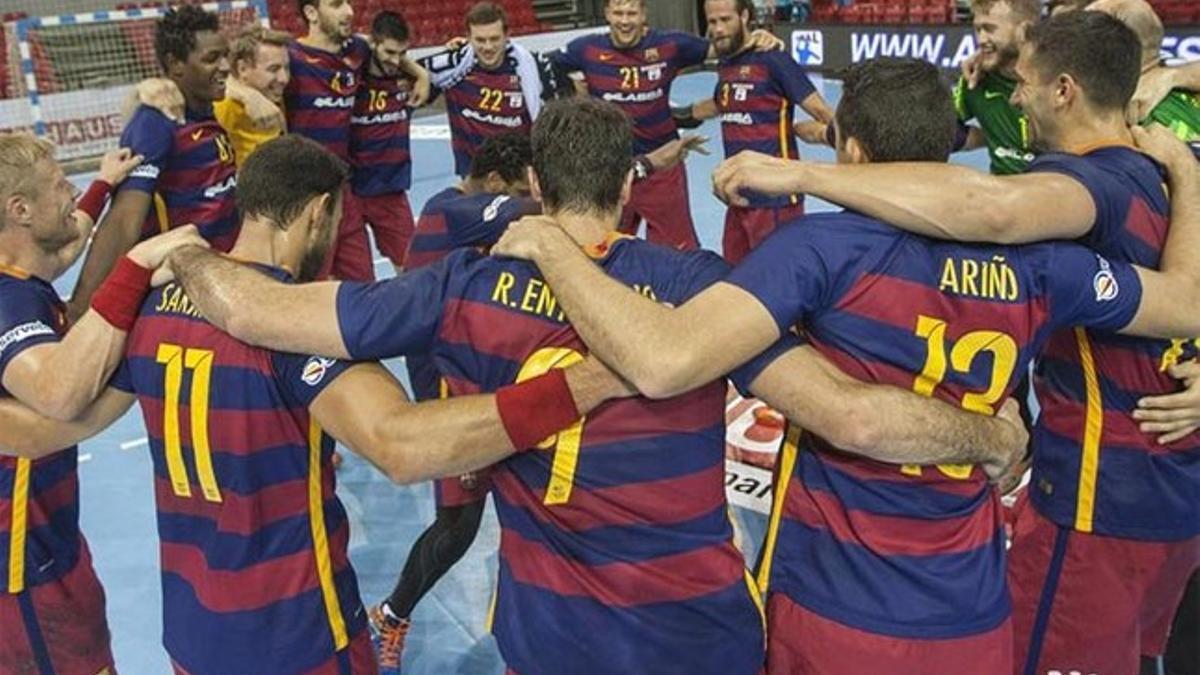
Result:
pixel 887 12
pixel 1177 11
pixel 432 23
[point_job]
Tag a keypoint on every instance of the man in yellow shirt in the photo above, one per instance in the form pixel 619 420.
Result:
pixel 252 110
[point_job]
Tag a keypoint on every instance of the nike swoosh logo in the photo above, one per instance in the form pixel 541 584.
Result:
pixel 606 57
pixel 992 94
pixel 197 134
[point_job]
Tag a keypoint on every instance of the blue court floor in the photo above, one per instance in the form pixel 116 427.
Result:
pixel 448 636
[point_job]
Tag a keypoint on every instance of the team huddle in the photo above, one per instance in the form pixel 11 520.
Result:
pixel 578 374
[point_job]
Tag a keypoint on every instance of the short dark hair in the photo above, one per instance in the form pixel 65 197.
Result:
pixel 389 25
pixel 508 154
pixel 582 153
pixel 484 13
pixel 283 174
pixel 175 32
pixel 900 110
pixel 1102 54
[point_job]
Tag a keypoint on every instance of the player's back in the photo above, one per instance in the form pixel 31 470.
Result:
pixel 189 170
pixel 255 574
pixel 453 219
pixel 1094 469
pixel 618 528
pixel 910 551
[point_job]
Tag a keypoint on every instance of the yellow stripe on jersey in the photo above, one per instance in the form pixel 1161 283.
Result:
pixel 20 514
pixel 316 518
pixel 757 597
pixel 160 212
pixel 785 132
pixel 787 463
pixel 1085 506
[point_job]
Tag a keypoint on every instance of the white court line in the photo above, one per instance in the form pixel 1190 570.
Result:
pixel 129 445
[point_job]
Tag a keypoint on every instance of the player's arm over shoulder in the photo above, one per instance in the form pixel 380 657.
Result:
pixel 367 409
pixel 955 202
pixel 25 433
pixel 882 422
pixel 257 309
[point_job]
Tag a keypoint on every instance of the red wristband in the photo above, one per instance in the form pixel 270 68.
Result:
pixel 93 201
pixel 120 296
pixel 536 409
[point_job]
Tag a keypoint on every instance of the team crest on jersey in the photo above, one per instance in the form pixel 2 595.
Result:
pixel 315 369
pixel 744 71
pixel 652 54
pixel 1104 283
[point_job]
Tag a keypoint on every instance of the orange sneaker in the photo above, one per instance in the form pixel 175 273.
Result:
pixel 388 634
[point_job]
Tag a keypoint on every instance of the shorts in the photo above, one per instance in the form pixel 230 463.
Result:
pixel 57 627
pixel 662 201
pixel 349 258
pixel 1092 603
pixel 746 228
pixel 391 221
pixel 800 642
pixel 462 490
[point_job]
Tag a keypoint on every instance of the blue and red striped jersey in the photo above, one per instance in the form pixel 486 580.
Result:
pixel 450 220
pixel 253 539
pixel 637 78
pixel 40 541
pixel 190 171
pixel 912 551
pixel 617 528
pixel 756 95
pixel 483 104
pixel 379 136
pixel 1093 470
pixel 320 95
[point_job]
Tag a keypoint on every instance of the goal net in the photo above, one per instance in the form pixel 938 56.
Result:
pixel 70 75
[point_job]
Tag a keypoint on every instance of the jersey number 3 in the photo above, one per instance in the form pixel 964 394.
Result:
pixel 200 362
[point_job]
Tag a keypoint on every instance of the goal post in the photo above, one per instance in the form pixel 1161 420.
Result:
pixel 77 70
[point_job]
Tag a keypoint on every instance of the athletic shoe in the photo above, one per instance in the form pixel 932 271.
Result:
pixel 387 634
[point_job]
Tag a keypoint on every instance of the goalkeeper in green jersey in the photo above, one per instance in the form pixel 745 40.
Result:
pixel 999 30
